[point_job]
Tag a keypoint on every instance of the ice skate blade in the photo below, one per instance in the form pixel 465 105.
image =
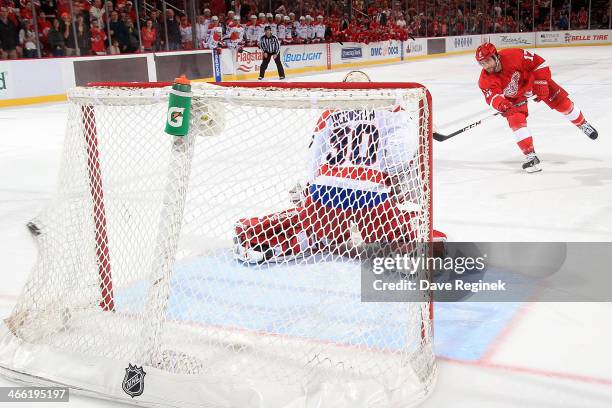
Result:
pixel 533 169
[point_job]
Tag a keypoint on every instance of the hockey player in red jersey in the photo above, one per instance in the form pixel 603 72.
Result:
pixel 354 196
pixel 512 75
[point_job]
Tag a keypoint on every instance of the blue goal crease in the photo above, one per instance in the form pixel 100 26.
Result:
pixel 215 290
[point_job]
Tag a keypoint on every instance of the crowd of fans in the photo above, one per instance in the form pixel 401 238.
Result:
pixel 98 27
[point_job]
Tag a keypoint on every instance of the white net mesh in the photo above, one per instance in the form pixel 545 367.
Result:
pixel 229 258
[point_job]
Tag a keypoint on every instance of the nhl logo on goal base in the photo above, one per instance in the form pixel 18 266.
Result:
pixel 133 382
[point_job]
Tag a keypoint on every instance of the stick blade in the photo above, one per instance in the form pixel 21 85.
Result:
pixel 438 137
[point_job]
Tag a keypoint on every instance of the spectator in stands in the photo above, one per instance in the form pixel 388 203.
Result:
pixel 97 11
pixel 119 32
pixel 68 33
pixel 56 39
pixel 237 8
pixel 148 36
pixel 83 36
pixel 174 31
pixel 201 28
pixel 583 18
pixel 9 36
pixel 133 42
pixel 345 23
pixel 382 18
pixel 44 26
pixel 186 34
pixel 98 38
pixel 27 39
pixel 563 22
pixel 400 22
pixel 130 11
pixel 155 17
pixel 114 48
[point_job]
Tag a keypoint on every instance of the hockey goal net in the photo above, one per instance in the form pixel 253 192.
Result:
pixel 220 268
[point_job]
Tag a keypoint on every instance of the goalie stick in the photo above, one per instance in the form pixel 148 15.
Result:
pixel 439 137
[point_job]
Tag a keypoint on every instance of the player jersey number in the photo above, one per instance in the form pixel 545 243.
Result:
pixel 356 146
pixel 527 55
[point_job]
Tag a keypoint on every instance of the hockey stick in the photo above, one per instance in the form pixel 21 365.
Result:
pixel 439 137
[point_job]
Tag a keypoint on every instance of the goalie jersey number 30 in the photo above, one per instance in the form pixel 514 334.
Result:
pixel 355 151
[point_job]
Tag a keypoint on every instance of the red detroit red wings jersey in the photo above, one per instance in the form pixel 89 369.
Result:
pixel 515 79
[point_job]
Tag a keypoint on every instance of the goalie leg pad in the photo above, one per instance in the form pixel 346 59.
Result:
pixel 276 237
pixel 385 222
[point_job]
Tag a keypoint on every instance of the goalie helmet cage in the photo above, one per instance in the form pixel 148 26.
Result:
pixel 137 295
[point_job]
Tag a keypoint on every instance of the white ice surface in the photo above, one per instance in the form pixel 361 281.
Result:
pixel 551 355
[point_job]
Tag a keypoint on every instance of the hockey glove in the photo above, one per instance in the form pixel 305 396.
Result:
pixel 540 89
pixel 504 106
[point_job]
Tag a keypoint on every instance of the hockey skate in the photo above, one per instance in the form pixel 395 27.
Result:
pixel 532 163
pixel 589 130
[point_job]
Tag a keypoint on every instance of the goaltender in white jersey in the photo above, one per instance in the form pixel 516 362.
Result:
pixel 361 188
pixel 354 152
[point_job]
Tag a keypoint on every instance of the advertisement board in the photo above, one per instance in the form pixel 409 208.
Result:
pixel 348 52
pixel 414 48
pixel 383 50
pixel 32 78
pixel 302 56
pixel 292 56
pixel 462 43
pixel 509 40
pixel 249 60
pixel 582 37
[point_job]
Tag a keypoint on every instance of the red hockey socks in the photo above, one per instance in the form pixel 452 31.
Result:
pixel 571 113
pixel 524 140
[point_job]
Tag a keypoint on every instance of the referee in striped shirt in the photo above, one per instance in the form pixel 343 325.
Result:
pixel 270 46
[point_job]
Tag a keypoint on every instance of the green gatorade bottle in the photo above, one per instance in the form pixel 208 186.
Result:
pixel 179 105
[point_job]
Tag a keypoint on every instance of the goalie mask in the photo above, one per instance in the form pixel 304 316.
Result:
pixel 356 76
